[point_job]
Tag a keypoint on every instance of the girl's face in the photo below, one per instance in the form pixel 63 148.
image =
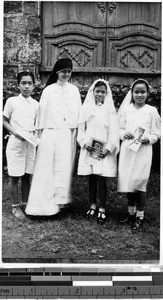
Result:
pixel 140 94
pixel 99 94
pixel 26 86
pixel 64 75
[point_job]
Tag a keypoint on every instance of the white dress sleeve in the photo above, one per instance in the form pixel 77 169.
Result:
pixel 155 127
pixel 81 137
pixel 122 125
pixel 43 114
pixel 113 137
pixel 74 106
pixel 78 98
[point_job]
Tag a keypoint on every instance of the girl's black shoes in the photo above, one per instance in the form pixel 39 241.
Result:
pixel 128 219
pixel 91 213
pixel 137 224
pixel 101 217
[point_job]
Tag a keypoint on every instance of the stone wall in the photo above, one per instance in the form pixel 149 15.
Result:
pixel 21 48
pixel 22 42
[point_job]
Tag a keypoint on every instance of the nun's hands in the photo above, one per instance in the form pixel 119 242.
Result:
pixel 129 135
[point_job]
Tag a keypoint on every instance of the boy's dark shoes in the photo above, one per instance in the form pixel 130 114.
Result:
pixel 128 219
pixel 101 218
pixel 18 213
pixel 137 224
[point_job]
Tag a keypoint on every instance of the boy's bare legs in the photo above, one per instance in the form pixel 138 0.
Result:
pixel 25 186
pixel 13 187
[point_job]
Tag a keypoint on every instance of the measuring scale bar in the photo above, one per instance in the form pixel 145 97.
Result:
pixel 48 292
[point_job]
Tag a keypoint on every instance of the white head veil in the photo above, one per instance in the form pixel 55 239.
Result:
pixel 128 99
pixel 89 103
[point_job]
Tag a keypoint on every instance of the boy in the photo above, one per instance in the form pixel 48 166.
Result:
pixel 20 114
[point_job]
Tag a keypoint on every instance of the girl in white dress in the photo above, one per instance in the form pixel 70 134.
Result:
pixel 60 105
pixel 139 125
pixel 99 141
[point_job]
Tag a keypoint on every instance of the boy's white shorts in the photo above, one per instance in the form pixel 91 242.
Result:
pixel 20 157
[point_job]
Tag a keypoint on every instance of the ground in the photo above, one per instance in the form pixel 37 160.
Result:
pixel 70 238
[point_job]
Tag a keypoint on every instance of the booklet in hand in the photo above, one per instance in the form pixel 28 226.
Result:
pixel 135 144
pixel 28 137
pixel 98 146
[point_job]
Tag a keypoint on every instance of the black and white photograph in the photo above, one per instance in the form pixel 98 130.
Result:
pixel 81 138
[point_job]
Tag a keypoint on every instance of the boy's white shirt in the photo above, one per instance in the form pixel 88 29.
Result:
pixel 21 112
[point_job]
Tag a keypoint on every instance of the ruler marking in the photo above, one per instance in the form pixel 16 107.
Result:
pixel 87 291
pixel 151 283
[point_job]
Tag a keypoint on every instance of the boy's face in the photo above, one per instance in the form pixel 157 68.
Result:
pixel 26 86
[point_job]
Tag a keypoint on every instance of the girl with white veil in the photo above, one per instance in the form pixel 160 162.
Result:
pixel 99 141
pixel 139 125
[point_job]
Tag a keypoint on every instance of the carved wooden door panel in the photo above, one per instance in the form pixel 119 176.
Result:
pixel 76 30
pixel 113 40
pixel 133 39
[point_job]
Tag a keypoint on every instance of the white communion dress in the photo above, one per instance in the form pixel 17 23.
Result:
pixel 98 122
pixel 134 167
pixel 58 119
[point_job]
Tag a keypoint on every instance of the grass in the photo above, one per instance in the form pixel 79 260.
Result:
pixel 70 238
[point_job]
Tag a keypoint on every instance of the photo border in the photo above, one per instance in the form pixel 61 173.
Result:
pixel 35 265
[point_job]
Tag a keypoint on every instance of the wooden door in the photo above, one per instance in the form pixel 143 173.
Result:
pixel 117 41
pixel 133 40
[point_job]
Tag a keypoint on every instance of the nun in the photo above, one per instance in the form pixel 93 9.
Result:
pixel 60 105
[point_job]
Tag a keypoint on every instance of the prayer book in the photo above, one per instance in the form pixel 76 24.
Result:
pixel 28 137
pixel 98 146
pixel 135 144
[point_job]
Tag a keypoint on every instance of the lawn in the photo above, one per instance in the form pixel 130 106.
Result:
pixel 70 238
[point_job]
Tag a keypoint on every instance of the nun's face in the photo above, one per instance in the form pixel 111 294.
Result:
pixel 64 75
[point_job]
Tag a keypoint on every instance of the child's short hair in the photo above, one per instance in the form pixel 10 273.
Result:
pixel 25 73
